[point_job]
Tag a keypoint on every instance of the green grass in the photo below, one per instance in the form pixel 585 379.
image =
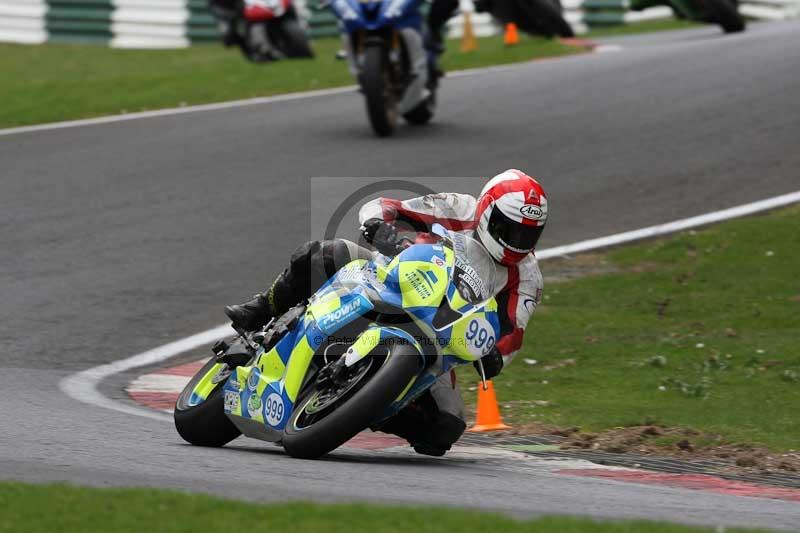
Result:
pixel 642 27
pixel 60 82
pixel 66 509
pixel 700 330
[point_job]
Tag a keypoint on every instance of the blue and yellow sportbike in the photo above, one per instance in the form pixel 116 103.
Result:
pixel 372 339
pixel 384 45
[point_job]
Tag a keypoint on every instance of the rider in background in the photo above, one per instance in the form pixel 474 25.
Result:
pixel 228 13
pixel 507 218
pixel 441 11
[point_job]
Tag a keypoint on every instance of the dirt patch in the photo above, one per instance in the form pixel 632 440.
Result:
pixel 684 444
pixel 560 269
pixel 567 268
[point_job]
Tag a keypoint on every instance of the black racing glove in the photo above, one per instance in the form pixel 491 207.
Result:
pixel 492 364
pixel 381 235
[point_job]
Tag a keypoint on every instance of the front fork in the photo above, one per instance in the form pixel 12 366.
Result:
pixel 355 43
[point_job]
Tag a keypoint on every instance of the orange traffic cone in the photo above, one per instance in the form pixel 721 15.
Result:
pixel 511 36
pixel 468 41
pixel 488 418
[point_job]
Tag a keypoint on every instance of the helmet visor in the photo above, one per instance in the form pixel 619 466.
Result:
pixel 513 235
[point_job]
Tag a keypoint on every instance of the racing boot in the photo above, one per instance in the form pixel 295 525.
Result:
pixel 252 314
pixel 257 312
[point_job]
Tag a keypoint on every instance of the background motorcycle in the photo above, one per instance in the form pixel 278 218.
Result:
pixel 368 343
pixel 384 46
pixel 265 30
pixel 722 12
pixel 536 17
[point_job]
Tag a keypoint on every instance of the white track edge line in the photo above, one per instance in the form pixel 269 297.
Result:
pixel 124 117
pixel 217 106
pixel 672 227
pixel 82 386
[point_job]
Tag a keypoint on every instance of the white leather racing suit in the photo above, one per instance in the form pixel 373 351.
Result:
pixel 521 285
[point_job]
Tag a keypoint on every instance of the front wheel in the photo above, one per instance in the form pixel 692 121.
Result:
pixel 199 412
pixel 376 82
pixel 325 419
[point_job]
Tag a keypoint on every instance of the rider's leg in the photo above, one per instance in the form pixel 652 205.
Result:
pixel 309 267
pixel 449 424
pixel 439 14
pixel 227 13
pixel 434 422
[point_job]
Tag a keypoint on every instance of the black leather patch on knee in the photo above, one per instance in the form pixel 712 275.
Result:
pixel 447 429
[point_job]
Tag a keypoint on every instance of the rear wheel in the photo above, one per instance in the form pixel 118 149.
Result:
pixel 293 40
pixel 329 415
pixel 376 82
pixel 204 423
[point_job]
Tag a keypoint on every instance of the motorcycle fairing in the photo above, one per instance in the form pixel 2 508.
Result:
pixel 417 282
pixel 357 15
pixel 263 10
pixel 205 385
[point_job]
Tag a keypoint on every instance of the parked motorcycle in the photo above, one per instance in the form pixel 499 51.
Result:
pixel 722 12
pixel 375 337
pixel 535 17
pixel 384 46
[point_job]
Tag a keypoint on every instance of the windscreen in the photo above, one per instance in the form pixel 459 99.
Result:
pixel 475 271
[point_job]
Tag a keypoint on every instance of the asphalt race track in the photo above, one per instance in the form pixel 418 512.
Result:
pixel 117 238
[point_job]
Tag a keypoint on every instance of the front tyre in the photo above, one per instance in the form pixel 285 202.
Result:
pixel 316 428
pixel 376 82
pixel 204 423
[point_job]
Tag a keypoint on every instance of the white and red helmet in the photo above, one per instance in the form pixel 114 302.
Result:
pixel 510 216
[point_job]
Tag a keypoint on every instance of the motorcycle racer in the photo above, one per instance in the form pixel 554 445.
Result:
pixel 507 218
pixel 227 13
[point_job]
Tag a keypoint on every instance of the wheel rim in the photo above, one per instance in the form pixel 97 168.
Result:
pixel 320 404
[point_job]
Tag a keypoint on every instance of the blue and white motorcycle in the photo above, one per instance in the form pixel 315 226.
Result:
pixel 369 342
pixel 384 44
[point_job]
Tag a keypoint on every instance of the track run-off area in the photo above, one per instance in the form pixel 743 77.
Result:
pixel 119 237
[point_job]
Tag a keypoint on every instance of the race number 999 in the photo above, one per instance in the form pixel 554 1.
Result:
pixel 273 409
pixel 479 336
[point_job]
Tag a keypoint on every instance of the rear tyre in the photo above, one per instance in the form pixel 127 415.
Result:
pixel 376 82
pixel 311 435
pixel 726 15
pixel 294 41
pixel 204 424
